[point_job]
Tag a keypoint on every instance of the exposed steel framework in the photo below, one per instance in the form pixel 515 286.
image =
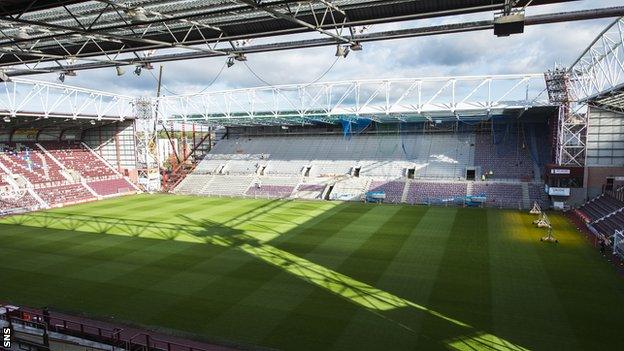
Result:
pixel 63 36
pixel 383 100
pixel 42 36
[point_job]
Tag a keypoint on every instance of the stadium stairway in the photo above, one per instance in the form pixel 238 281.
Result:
pixel 60 165
pixel 526 200
pixel 405 191
pixel 469 188
pixel 36 196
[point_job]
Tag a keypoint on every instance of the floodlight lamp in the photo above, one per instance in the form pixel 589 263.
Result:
pixel 339 51
pixel 61 77
pixel 137 70
pixel 120 71
pixel 230 62
pixel 92 122
pixel 342 51
pixel 7 119
pixel 356 46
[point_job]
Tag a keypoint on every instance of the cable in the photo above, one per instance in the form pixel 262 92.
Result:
pixel 250 70
pixel 256 75
pixel 304 86
pixel 199 92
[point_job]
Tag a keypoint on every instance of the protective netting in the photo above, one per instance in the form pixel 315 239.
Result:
pixel 536 136
pixel 387 146
pixel 500 132
pixel 351 126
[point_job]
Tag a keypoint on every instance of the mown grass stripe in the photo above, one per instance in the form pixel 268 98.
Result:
pixel 462 289
pixel 248 278
pixel 521 311
pixel 409 274
pixel 306 316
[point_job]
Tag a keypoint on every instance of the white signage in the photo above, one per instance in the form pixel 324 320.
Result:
pixel 559 171
pixel 558 191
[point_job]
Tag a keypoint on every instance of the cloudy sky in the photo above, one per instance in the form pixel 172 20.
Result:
pixel 473 53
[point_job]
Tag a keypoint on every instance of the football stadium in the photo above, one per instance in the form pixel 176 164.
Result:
pixel 465 212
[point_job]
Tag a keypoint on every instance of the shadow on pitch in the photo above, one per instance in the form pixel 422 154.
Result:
pixel 383 304
pixel 129 227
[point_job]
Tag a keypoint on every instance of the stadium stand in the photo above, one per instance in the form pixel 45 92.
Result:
pixel 392 189
pixel 280 168
pixel 24 203
pixel 230 185
pixel 384 169
pixel 241 167
pixel 416 168
pixel 604 213
pixel 58 173
pixel 110 187
pixel 503 159
pixel 272 187
pixel 500 194
pixel 310 189
pixel 65 194
pixel 209 166
pixel 435 192
pixel 34 164
pixel 349 189
pixel 193 184
pixel 537 194
pixel 74 156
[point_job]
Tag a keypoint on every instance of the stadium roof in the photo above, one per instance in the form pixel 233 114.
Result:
pixel 464 98
pixel 102 31
pixel 597 76
pixel 49 125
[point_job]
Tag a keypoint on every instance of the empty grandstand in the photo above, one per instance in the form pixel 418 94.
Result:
pixel 50 167
pixel 411 163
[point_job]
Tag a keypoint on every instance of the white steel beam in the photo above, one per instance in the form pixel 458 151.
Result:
pixel 600 68
pixel 24 97
pixel 392 98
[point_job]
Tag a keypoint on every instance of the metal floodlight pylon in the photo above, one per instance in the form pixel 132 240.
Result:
pixel 571 129
pixel 148 164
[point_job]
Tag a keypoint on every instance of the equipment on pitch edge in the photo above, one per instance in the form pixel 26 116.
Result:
pixel 544 222
pixel 536 209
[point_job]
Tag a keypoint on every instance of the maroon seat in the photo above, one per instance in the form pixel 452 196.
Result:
pixel 111 186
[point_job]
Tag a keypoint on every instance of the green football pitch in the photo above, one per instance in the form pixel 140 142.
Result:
pixel 317 275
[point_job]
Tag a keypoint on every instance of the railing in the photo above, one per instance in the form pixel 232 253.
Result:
pixel 116 337
pixel 43 321
pixel 146 342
